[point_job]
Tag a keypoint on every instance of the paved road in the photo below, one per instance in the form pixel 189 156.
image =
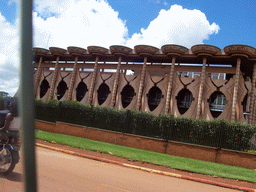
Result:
pixel 62 172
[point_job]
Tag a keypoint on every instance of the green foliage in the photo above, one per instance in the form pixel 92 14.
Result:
pixel 47 110
pixel 216 133
pixel 142 123
pixel 73 112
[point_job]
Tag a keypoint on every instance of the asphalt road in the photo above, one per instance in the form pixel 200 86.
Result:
pixel 61 172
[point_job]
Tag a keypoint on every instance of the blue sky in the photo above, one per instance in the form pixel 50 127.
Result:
pixel 64 23
pixel 8 10
pixel 236 18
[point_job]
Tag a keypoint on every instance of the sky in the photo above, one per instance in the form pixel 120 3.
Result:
pixel 83 23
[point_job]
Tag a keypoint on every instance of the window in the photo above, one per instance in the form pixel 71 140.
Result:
pixel 127 95
pixel 217 103
pixel 184 100
pixel 103 92
pixel 218 76
pixel 44 88
pixel 154 97
pixel 81 91
pixel 61 89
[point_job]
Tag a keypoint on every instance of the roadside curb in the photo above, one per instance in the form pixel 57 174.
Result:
pixel 148 170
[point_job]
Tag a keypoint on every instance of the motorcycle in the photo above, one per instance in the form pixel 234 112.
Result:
pixel 9 150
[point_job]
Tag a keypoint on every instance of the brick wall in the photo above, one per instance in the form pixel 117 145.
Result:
pixel 227 157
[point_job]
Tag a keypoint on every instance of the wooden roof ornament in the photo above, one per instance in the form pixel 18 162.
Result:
pixel 120 50
pixel 174 50
pixel 57 51
pixel 96 50
pixel 205 50
pixel 145 50
pixel 77 51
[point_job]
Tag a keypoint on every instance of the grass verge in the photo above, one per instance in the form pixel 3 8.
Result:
pixel 171 161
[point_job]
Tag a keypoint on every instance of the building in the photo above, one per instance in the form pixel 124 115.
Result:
pixel 202 82
pixel 4 94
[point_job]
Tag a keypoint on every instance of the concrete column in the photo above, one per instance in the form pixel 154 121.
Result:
pixel 201 88
pixel 253 102
pixel 94 74
pixel 169 89
pixel 234 103
pixel 72 81
pixel 56 71
pixel 113 98
pixel 143 73
pixel 38 74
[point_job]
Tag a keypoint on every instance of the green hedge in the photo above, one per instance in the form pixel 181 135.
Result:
pixel 216 133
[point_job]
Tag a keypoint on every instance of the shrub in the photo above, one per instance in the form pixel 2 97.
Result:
pixel 215 133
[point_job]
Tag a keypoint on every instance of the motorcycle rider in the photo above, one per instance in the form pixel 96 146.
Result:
pixel 12 121
pixel 12 118
pixel 8 120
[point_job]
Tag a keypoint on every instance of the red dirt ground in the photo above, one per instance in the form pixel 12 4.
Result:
pixel 151 166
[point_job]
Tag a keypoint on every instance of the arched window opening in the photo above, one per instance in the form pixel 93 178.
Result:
pixel 154 98
pixel 61 89
pixel 44 88
pixel 184 100
pixel 127 95
pixel 81 91
pixel 103 92
pixel 217 103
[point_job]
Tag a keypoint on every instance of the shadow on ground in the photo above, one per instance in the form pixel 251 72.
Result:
pixel 13 176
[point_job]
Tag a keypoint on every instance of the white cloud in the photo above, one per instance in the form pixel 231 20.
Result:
pixel 79 23
pixel 175 26
pixel 82 23
pixel 9 59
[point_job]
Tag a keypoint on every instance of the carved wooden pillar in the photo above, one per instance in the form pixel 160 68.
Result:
pixel 169 89
pixel 145 51
pixel 119 51
pixel 58 52
pixel 72 81
pixel 94 75
pixel 174 51
pixel 38 74
pixel 203 51
pixel 234 103
pixel 76 52
pixel 253 101
pixel 56 71
pixel 200 94
pixel 142 79
pixel 254 113
pixel 39 52
pixel 113 98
